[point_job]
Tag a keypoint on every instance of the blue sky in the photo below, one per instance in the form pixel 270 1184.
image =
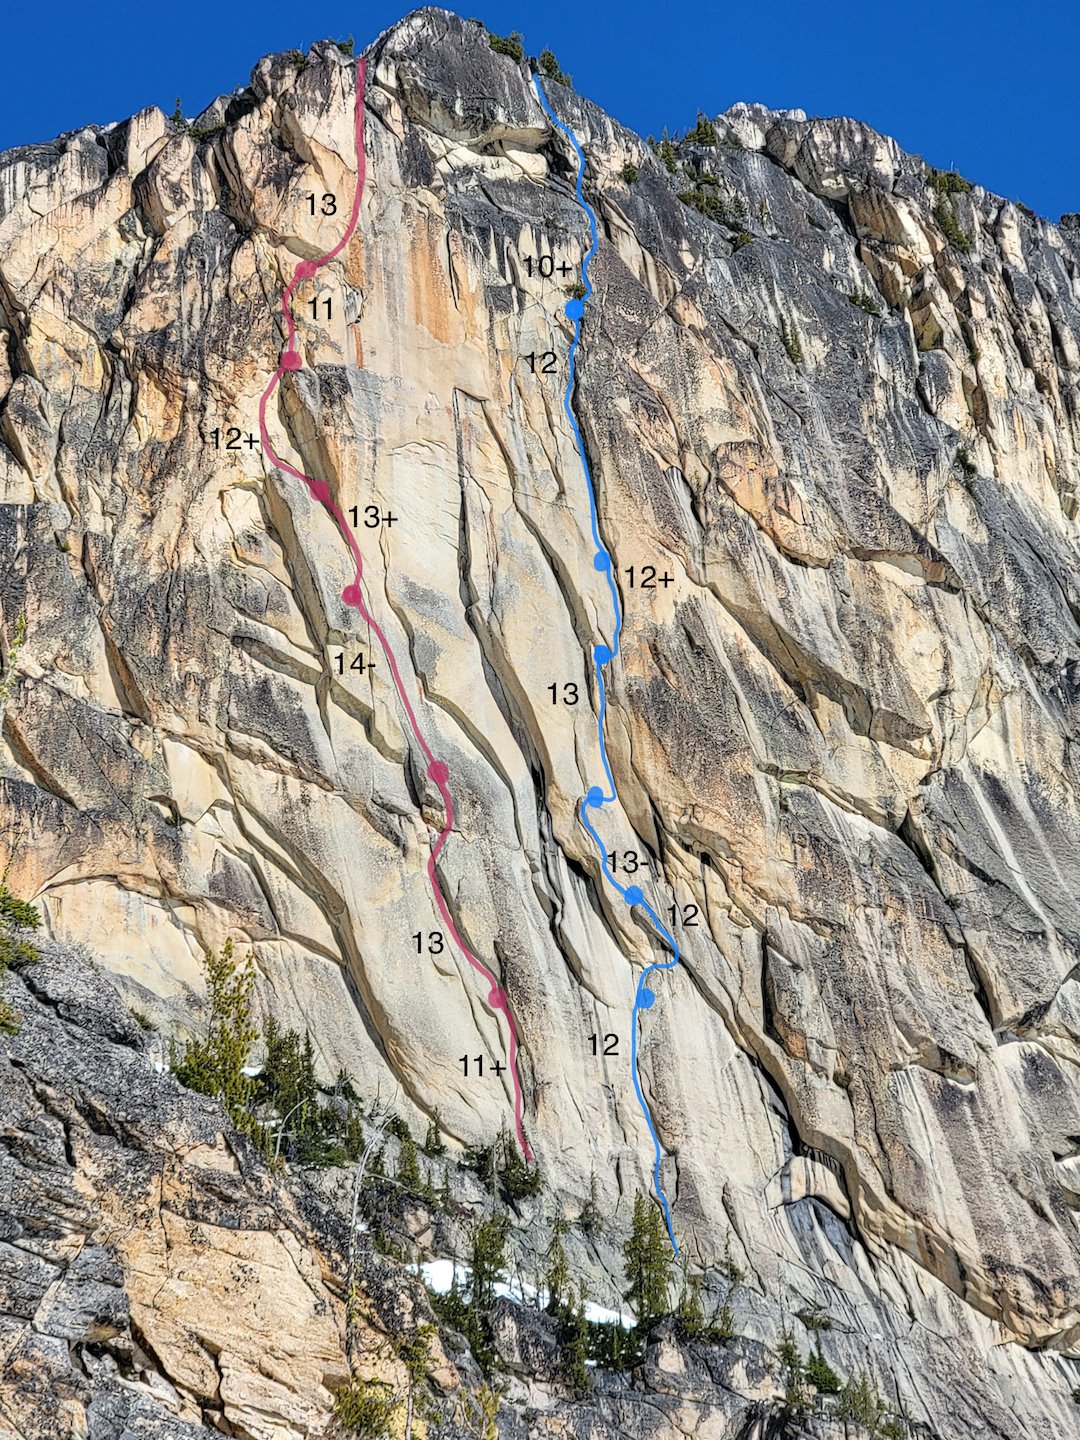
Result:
pixel 988 88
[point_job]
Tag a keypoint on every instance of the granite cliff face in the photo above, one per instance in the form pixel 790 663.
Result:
pixel 838 404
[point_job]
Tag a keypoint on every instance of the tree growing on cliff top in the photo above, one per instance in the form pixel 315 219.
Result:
pixel 512 45
pixel 550 68
pixel 704 132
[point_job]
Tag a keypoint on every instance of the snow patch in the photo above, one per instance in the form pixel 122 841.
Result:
pixel 438 1275
pixel 600 1316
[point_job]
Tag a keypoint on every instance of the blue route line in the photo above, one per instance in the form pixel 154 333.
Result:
pixel 603 655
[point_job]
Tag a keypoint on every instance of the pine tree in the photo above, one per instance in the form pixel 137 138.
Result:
pixel 413 1350
pixel 590 1215
pixel 821 1375
pixel 517 1178
pixel 215 1066
pixel 453 1307
pixel 484 1161
pixel 791 341
pixel 690 1311
pixel 574 1346
pixel 557 1275
pixel 648 1263
pixel 860 1400
pixel 309 1087
pixel 551 69
pixel 17 920
pixel 612 1346
pixel 704 133
pixel 408 1170
pixel 434 1145
pixel 512 45
pixel 796 1396
pixel 488 1261
pixel 354 1134
pixel 288 1078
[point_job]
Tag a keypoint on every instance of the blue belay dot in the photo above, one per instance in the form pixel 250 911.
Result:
pixel 595 796
pixel 575 309
pixel 645 999
pixel 601 560
pixel 602 654
pixel 633 895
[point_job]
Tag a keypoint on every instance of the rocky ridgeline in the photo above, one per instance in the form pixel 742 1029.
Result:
pixel 831 393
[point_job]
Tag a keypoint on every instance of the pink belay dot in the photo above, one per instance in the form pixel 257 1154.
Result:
pixel 351 595
pixel 320 491
pixel 439 771
pixel 305 270
pixel 291 361
pixel 497 999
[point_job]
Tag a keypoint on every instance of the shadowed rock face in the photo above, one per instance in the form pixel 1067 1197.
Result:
pixel 844 732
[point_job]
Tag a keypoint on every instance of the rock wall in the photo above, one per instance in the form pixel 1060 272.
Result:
pixel 842 732
pixel 152 1277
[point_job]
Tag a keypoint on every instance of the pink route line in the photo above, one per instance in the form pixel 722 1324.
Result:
pixel 353 595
